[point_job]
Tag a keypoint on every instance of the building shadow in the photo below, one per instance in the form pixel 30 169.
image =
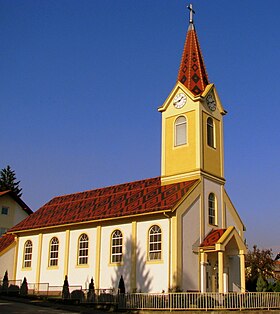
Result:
pixel 137 277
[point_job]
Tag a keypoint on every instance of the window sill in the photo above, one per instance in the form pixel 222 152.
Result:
pixel 155 261
pixel 116 264
pixel 26 268
pixel 82 266
pixel 52 267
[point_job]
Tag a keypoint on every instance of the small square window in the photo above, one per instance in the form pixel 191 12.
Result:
pixel 5 210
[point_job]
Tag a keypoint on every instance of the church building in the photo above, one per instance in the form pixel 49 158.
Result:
pixel 175 232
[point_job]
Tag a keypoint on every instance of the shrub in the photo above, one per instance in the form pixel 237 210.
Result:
pixel 106 298
pixel 65 289
pixel 13 290
pixel 24 288
pixel 77 295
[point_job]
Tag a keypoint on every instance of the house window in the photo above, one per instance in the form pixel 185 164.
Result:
pixel 54 244
pixel 117 243
pixel 5 211
pixel 27 257
pixel 83 249
pixel 180 131
pixel 154 243
pixel 212 209
pixel 210 133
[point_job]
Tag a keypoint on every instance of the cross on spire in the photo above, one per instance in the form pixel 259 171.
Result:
pixel 191 12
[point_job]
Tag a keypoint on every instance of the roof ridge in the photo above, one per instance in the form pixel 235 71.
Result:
pixel 99 189
pixel 97 196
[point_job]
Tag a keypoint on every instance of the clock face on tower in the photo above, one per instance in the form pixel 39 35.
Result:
pixel 211 102
pixel 179 100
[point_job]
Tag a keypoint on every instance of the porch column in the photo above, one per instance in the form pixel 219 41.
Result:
pixel 226 280
pixel 221 271
pixel 203 263
pixel 242 271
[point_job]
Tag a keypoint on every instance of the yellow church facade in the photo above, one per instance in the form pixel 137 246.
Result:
pixel 176 232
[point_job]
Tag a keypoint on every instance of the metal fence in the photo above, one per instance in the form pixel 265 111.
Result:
pixel 200 301
pixel 150 301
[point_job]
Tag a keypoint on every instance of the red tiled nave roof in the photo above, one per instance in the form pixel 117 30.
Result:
pixel 133 198
pixel 192 72
pixel 6 240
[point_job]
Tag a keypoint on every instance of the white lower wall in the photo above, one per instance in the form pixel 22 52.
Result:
pixel 29 273
pixel 152 276
pixel 81 274
pixel 110 274
pixel 53 275
pixel 190 241
pixel 7 263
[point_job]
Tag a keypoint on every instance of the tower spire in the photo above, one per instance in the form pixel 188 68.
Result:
pixel 192 72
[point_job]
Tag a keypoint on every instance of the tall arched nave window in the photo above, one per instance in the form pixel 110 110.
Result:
pixel 154 243
pixel 27 254
pixel 116 247
pixel 53 256
pixel 83 249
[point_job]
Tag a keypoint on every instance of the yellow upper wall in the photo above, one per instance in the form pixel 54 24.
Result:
pixel 180 159
pixel 212 156
pixel 190 160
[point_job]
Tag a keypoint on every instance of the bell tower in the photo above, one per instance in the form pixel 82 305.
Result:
pixel 192 120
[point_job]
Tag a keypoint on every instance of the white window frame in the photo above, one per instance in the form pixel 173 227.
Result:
pixel 83 245
pixel 212 209
pixel 53 254
pixel 27 254
pixel 179 127
pixel 155 243
pixel 211 132
pixel 116 246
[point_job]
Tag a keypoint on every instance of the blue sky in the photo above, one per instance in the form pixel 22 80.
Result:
pixel 81 82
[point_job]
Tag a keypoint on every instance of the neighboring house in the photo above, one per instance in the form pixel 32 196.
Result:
pixel 179 231
pixel 7 255
pixel 12 210
pixel 277 269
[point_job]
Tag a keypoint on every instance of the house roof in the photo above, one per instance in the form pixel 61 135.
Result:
pixel 192 72
pixel 128 199
pixel 6 240
pixel 13 195
pixel 213 237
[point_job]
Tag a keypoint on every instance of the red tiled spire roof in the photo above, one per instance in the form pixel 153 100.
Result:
pixel 123 200
pixel 192 72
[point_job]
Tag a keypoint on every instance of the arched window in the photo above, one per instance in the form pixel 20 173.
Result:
pixel 212 209
pixel 154 243
pixel 53 256
pixel 180 131
pixel 83 249
pixel 210 132
pixel 27 257
pixel 116 250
